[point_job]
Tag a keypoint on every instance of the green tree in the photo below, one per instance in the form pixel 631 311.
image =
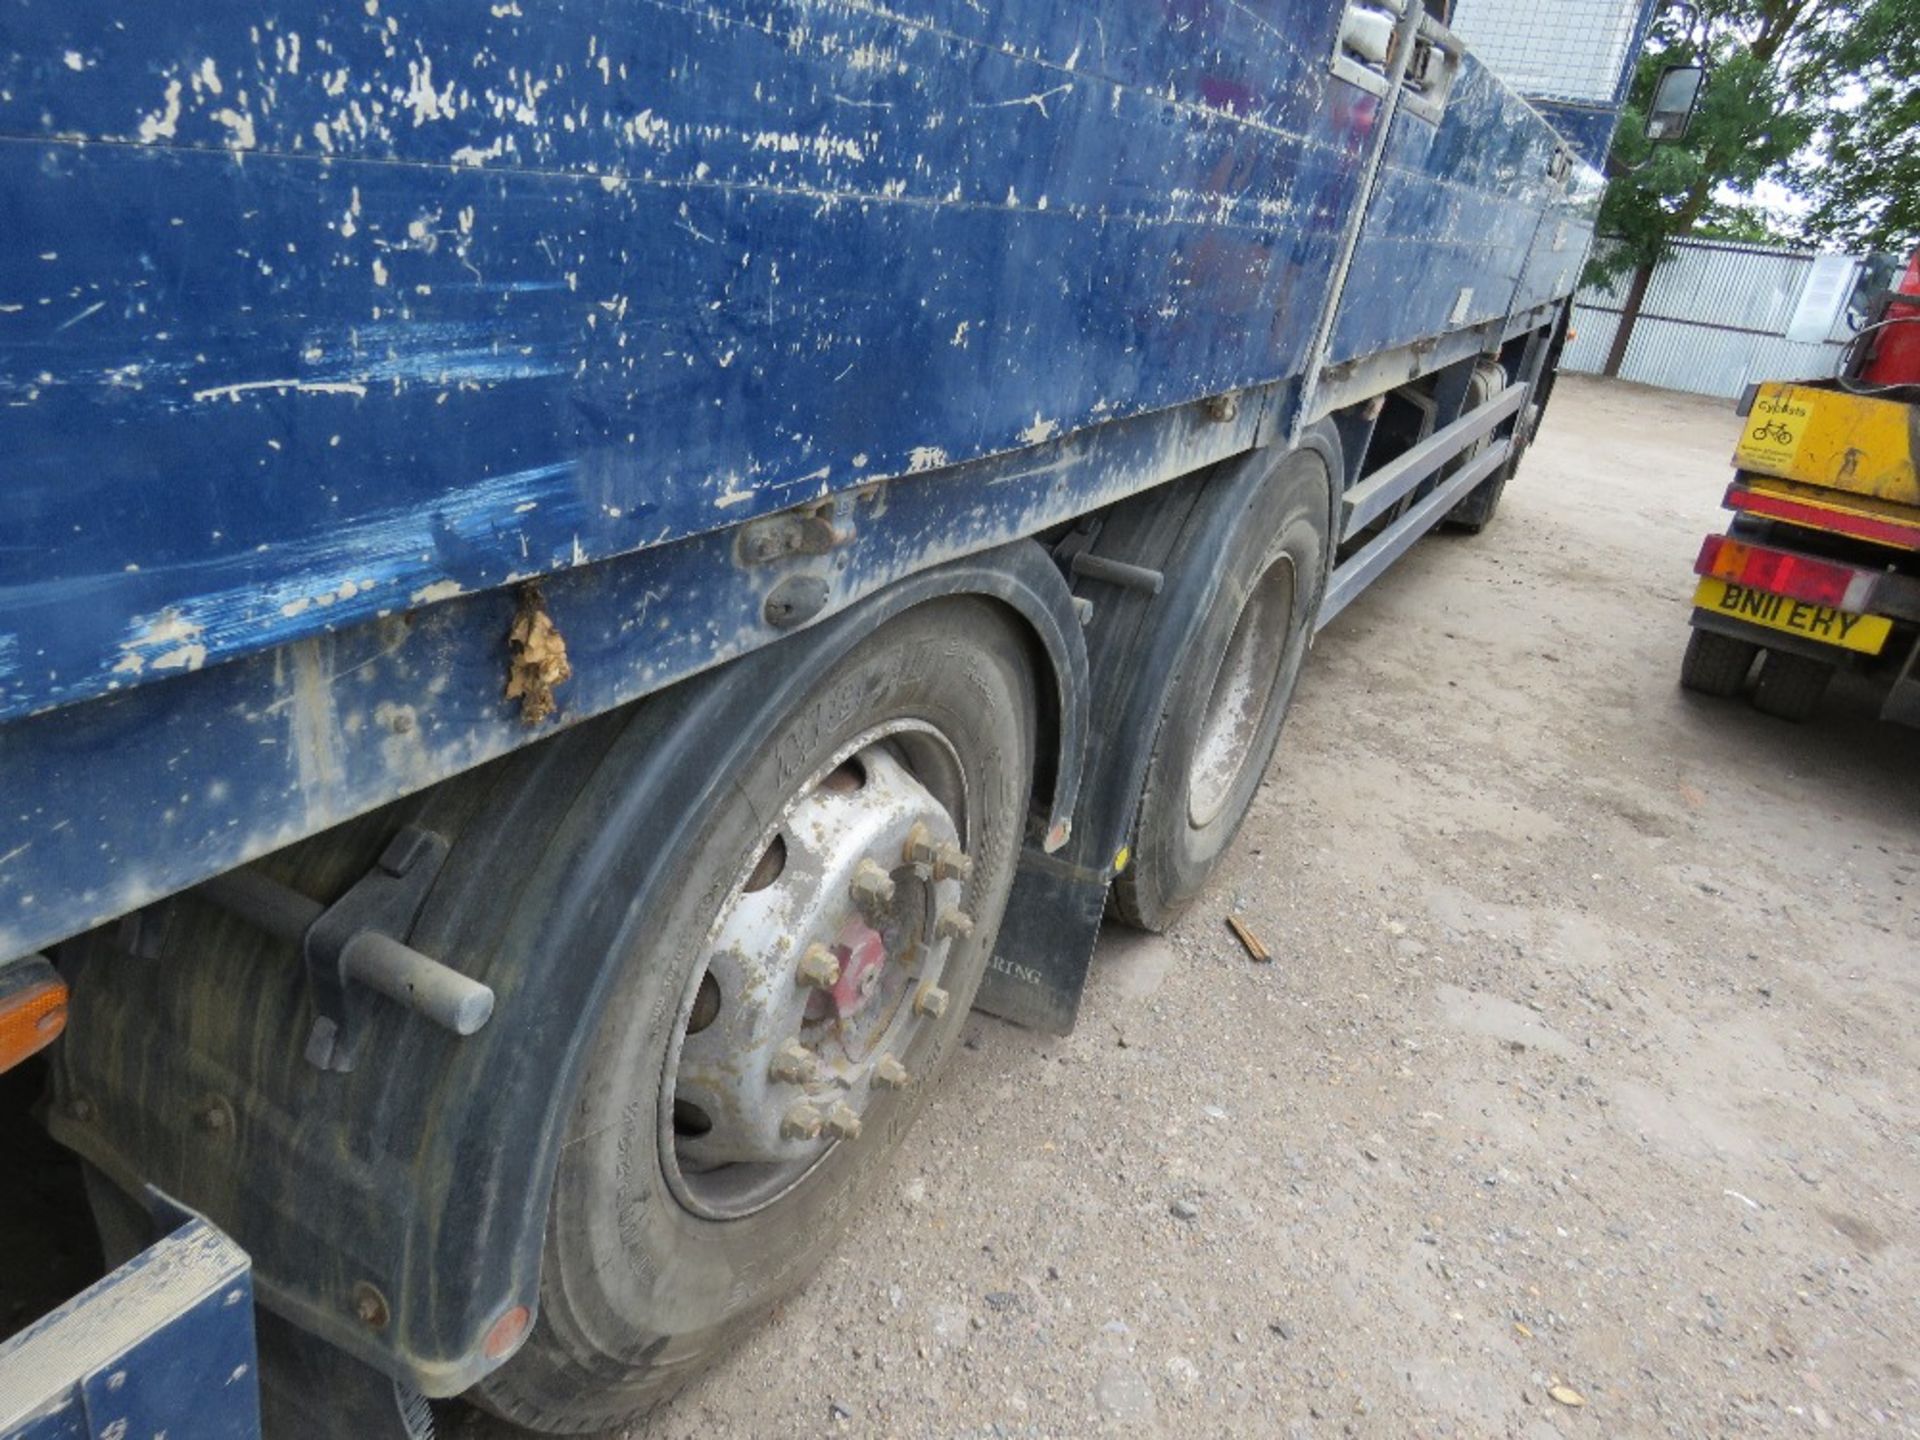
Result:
pixel 1816 94
pixel 1863 170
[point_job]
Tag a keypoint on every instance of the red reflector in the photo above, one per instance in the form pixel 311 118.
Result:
pixel 1818 582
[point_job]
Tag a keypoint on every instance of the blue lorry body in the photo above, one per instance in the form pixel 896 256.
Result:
pixel 315 319
pixel 325 331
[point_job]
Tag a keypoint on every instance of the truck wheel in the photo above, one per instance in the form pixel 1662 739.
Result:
pixel 1224 708
pixel 1716 664
pixel 1473 510
pixel 764 1050
pixel 1790 686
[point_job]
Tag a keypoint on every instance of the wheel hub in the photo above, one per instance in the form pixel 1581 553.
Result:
pixel 1242 691
pixel 862 953
pixel 823 972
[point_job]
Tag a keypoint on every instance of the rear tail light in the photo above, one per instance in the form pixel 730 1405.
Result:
pixel 1817 582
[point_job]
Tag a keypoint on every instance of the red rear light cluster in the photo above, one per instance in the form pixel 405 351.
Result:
pixel 1817 582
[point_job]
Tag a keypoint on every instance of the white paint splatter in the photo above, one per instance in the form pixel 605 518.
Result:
pixel 421 98
pixel 241 125
pixel 304 387
pixel 474 155
pixel 183 657
pixel 164 123
pixel 824 146
pixel 926 457
pixel 1039 430
pixel 732 495
pixel 438 590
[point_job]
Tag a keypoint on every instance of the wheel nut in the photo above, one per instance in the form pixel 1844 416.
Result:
pixel 872 886
pixel 843 1121
pixel 793 1064
pixel 951 861
pixel 889 1073
pixel 819 967
pixel 931 1001
pixel 953 925
pixel 801 1122
pixel 920 849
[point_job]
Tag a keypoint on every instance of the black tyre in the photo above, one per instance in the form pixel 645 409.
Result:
pixel 1790 686
pixel 707 1166
pixel 1716 664
pixel 1473 510
pixel 1226 704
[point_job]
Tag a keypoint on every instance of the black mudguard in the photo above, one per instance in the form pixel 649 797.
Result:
pixel 1135 643
pixel 398 1211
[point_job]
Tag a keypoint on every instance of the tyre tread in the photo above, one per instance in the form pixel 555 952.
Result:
pixel 1716 664
pixel 1790 686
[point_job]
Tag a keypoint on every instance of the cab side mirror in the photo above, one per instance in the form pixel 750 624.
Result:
pixel 1674 99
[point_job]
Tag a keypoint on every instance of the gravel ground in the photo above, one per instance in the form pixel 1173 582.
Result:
pixel 1578 1098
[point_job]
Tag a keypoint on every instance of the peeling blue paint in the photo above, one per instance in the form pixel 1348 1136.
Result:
pixel 688 265
pixel 318 325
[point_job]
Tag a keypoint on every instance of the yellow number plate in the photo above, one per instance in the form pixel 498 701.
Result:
pixel 1865 633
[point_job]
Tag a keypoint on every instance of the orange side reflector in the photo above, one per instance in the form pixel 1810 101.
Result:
pixel 33 1010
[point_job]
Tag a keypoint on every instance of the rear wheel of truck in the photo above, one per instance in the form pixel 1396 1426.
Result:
pixel 1225 707
pixel 767 1045
pixel 1474 510
pixel 1790 686
pixel 1716 664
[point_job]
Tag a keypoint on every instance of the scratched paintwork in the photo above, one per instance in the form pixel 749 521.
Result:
pixel 162 1345
pixel 1453 221
pixel 240 759
pixel 1587 129
pixel 353 309
pixel 305 342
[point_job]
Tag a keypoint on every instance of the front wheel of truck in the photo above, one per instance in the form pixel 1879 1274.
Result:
pixel 769 1039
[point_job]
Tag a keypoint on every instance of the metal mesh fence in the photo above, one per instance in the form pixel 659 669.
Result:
pixel 1554 49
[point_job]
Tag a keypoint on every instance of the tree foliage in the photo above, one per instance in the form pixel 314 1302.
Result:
pixel 1863 171
pixel 1821 96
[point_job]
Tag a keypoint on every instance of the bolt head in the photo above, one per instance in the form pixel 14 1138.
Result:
pixel 920 849
pixel 793 1064
pixel 819 967
pixel 951 862
pixel 953 924
pixel 931 1002
pixel 844 1121
pixel 889 1073
pixel 801 1122
pixel 872 886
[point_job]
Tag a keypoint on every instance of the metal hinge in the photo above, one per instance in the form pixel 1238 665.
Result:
pixel 350 948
